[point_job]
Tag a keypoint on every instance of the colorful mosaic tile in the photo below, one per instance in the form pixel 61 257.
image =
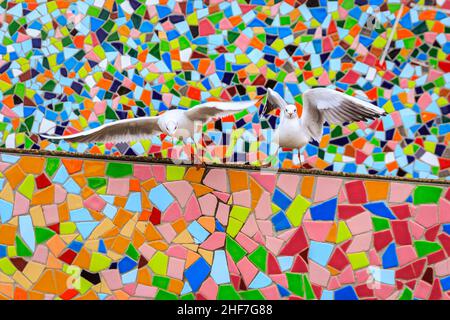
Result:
pixel 69 66
pixel 94 229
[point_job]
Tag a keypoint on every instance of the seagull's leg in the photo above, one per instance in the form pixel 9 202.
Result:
pixel 300 157
pixel 196 160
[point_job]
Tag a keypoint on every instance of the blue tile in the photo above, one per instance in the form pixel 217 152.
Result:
pixel 197 273
pixel 324 211
pixel 380 209
pixel 389 257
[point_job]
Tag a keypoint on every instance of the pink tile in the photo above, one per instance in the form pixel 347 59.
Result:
pixel 383 291
pixel 147 251
pixel 327 188
pixel 60 194
pixel 360 223
pixel 317 230
pixel 167 232
pixel 267 180
pixel 288 183
pixel 118 187
pixel 242 198
pixel 172 213
pixel 346 276
pixel 217 179
pixel 21 205
pixel 209 289
pixel 175 268
pixel 214 241
pixel 94 202
pixel 360 243
pixel 142 171
pixel 50 214
pixel 263 209
pixel 400 191
pixel 146 291
pixel 177 251
pixel 208 204
pixel 318 274
pixel 248 244
pixel 192 210
pixel 427 215
pixel 416 229
pixel 159 172
pixel 444 211
pixel 247 270
pixel 181 190
pixel 112 279
pixel 274 245
pixel 223 212
pixel 250 227
pixel 423 290
pixel 271 292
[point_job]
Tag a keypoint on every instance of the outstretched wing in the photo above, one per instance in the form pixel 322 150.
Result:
pixel 321 104
pixel 274 101
pixel 205 112
pixel 119 131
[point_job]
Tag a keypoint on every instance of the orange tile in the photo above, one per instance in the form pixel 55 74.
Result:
pixel 209 223
pixel 191 258
pixel 144 277
pixel 83 259
pixel 34 165
pixel 200 189
pixel 135 185
pixel 44 196
pixel 151 233
pixel 8 234
pixel 61 280
pixel 94 168
pixel 63 212
pixel 7 289
pixel 175 286
pixel 238 180
pixel 137 239
pixel 194 175
pixel 377 190
pixel 179 225
pixel 120 245
pixel 256 192
pixel 46 283
pixel 149 184
pixel 307 186
pixel 159 245
pixel 120 201
pixel 15 175
pixel 20 294
pixel 72 165
pixel 122 217
pixel 56 245
pixel 33 295
pixel 90 295
pixel 79 179
pixel 331 237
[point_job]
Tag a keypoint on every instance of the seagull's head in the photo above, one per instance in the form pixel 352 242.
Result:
pixel 290 111
pixel 171 127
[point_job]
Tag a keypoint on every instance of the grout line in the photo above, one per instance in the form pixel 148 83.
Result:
pixel 151 160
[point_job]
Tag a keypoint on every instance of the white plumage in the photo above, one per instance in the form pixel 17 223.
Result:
pixel 319 105
pixel 176 123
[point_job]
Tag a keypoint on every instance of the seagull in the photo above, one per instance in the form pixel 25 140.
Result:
pixel 319 105
pixel 176 123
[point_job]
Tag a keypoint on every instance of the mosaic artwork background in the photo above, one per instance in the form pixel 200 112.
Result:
pixel 90 229
pixel 67 66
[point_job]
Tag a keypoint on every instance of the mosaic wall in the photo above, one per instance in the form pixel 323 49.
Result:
pixel 90 229
pixel 68 66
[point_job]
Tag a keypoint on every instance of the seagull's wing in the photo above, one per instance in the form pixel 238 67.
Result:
pixel 273 101
pixel 120 131
pixel 321 104
pixel 205 112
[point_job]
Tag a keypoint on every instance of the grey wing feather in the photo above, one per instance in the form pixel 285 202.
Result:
pixel 119 131
pixel 274 101
pixel 207 111
pixel 321 104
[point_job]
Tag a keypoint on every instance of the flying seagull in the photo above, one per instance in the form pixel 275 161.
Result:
pixel 319 105
pixel 176 123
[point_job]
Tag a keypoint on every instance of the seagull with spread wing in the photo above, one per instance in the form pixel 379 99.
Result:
pixel 176 123
pixel 319 105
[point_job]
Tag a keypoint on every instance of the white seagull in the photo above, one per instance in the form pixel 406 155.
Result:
pixel 175 123
pixel 319 105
